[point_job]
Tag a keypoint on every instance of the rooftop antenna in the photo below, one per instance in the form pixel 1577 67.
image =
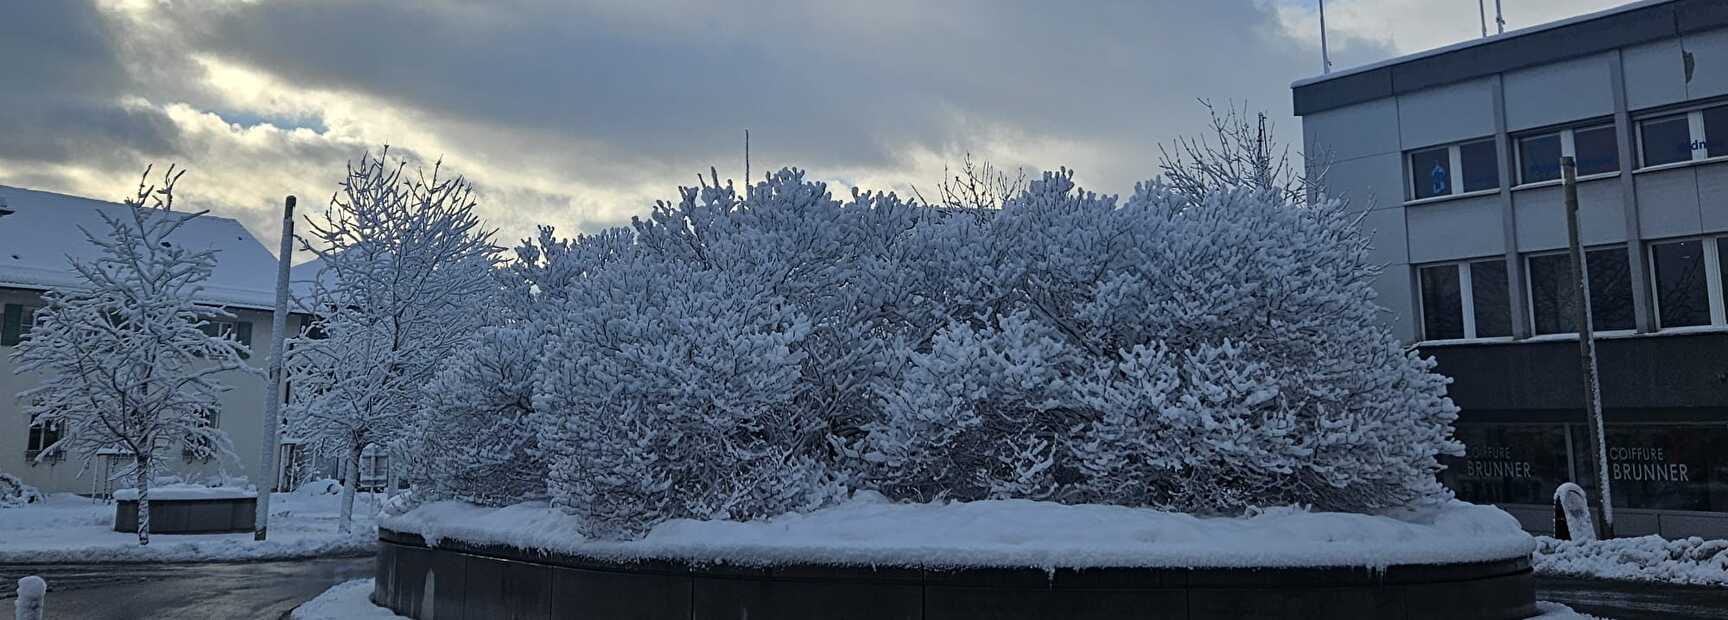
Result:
pixel 1499 18
pixel 1482 14
pixel 1325 58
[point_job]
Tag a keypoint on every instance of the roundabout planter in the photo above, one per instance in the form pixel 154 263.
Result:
pixel 188 511
pixel 452 572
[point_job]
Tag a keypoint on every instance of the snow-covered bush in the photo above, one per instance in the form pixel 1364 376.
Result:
pixel 476 439
pixel 14 493
pixel 1199 354
pixel 739 357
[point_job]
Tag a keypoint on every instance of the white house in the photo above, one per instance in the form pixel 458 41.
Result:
pixel 37 242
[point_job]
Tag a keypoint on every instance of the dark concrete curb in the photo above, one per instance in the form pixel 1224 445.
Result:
pixel 189 516
pixel 463 580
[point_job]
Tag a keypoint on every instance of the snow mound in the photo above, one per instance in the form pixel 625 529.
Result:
pixel 186 491
pixel 1557 611
pixel 868 530
pixel 351 600
pixel 1693 561
pixel 13 492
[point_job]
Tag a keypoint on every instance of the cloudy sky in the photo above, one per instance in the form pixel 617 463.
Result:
pixel 580 114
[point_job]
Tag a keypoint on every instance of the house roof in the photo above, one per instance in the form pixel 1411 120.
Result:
pixel 1592 33
pixel 46 232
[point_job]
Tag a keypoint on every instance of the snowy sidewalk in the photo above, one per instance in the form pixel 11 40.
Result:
pixel 69 528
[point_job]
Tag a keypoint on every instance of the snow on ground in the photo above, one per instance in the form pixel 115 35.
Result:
pixel 1693 561
pixel 187 491
pixel 869 530
pixel 67 528
pixel 1551 611
pixel 345 601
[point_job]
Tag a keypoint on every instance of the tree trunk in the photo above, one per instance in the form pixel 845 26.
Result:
pixel 143 475
pixel 349 486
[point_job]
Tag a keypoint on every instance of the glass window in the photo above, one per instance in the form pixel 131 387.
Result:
pixel 1539 158
pixel 1552 292
pixel 1666 140
pixel 1597 150
pixel 1508 463
pixel 1610 289
pixel 1660 466
pixel 1481 165
pixel 1431 173
pixel 1716 131
pixel 1682 297
pixel 1442 303
pixel 1488 295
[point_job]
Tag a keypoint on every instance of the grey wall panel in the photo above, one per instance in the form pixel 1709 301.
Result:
pixel 1541 215
pixel 1713 197
pixel 1370 182
pixel 1392 290
pixel 1454 229
pixel 1667 203
pixel 1655 74
pixel 1446 114
pixel 1710 69
pixel 1347 133
pixel 1559 93
pixel 1386 228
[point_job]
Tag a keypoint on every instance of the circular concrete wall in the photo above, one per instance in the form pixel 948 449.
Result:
pixel 458 580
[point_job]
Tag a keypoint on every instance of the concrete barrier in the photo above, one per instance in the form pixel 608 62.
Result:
pixel 189 516
pixel 459 580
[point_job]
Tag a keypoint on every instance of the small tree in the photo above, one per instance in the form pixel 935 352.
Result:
pixel 124 359
pixel 404 263
pixel 1240 152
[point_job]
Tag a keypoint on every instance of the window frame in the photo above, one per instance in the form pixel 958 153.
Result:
pixel 35 442
pixel 1713 284
pixel 1466 297
pixel 1530 291
pixel 1454 173
pixel 1568 147
pixel 1699 139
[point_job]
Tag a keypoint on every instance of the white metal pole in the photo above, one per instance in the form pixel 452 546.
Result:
pixel 1482 14
pixel 273 391
pixel 1325 57
pixel 1499 18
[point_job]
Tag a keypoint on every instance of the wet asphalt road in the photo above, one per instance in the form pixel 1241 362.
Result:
pixel 267 590
pixel 270 590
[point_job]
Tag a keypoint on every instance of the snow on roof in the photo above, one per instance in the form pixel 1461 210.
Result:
pixel 46 231
pixel 1469 43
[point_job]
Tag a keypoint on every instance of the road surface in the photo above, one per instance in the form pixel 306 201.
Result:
pixel 266 590
pixel 271 589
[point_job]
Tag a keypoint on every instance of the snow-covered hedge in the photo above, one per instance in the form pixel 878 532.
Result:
pixel 739 357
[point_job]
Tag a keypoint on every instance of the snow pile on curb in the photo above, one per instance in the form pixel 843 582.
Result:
pixel 186 491
pixel 869 530
pixel 1557 611
pixel 351 600
pixel 1693 561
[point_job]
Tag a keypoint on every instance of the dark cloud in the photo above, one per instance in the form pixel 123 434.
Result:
pixel 823 84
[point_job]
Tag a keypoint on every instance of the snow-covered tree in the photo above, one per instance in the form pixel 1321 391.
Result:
pixel 1202 353
pixel 406 273
pixel 124 360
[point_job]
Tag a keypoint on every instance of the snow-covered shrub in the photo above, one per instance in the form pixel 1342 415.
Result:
pixel 1199 354
pixel 475 437
pixel 14 493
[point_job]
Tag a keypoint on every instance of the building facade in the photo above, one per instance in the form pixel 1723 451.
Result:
pixel 35 244
pixel 1454 154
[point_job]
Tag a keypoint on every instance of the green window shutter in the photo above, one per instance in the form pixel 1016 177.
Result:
pixel 11 324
